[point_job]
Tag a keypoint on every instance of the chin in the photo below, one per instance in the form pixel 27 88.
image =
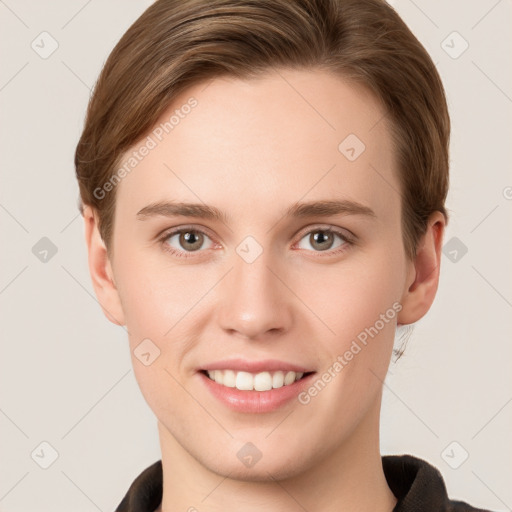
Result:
pixel 277 467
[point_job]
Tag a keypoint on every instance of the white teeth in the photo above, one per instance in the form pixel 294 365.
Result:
pixel 262 381
pixel 229 378
pixel 289 378
pixel 278 380
pixel 246 381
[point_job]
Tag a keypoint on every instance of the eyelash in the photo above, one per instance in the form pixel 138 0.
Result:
pixel 348 241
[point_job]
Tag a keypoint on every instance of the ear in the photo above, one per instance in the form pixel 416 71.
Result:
pixel 423 275
pixel 100 269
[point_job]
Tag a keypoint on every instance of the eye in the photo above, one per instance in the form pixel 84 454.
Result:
pixel 185 240
pixel 324 239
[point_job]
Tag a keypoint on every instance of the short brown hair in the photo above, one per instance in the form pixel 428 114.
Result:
pixel 178 43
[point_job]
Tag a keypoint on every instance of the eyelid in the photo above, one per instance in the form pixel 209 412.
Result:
pixel 203 229
pixel 348 237
pixel 343 232
pixel 167 233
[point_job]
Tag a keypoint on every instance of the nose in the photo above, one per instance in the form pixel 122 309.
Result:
pixel 255 300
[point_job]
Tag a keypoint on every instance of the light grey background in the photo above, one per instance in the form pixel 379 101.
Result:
pixel 66 374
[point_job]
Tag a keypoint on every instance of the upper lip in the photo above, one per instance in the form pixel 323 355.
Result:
pixel 255 366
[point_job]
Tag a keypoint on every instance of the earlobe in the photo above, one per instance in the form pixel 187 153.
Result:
pixel 100 269
pixel 423 277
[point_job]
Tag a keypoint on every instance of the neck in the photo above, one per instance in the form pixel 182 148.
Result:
pixel 349 479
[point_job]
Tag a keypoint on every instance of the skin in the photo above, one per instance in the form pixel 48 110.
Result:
pixel 253 148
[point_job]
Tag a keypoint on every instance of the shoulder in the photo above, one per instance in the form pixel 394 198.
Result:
pixel 419 486
pixel 145 492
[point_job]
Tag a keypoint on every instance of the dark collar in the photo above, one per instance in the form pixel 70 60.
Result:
pixel 417 485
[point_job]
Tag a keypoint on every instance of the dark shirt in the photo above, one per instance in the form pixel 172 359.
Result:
pixel 417 485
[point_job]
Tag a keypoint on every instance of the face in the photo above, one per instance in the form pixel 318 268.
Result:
pixel 268 285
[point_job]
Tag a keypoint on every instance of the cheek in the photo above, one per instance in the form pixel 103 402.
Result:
pixel 350 297
pixel 360 307
pixel 157 296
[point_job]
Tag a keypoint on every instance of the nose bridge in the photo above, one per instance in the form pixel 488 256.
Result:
pixel 253 299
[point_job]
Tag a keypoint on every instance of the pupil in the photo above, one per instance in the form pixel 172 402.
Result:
pixel 320 237
pixel 189 238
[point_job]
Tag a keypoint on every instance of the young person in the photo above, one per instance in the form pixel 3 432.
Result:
pixel 263 188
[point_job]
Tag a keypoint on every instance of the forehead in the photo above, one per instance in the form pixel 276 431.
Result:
pixel 252 146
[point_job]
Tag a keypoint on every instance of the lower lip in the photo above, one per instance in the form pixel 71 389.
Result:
pixel 255 401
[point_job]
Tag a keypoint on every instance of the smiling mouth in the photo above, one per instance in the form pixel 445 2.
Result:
pixel 261 381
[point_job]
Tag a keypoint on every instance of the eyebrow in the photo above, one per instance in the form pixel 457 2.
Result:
pixel 323 208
